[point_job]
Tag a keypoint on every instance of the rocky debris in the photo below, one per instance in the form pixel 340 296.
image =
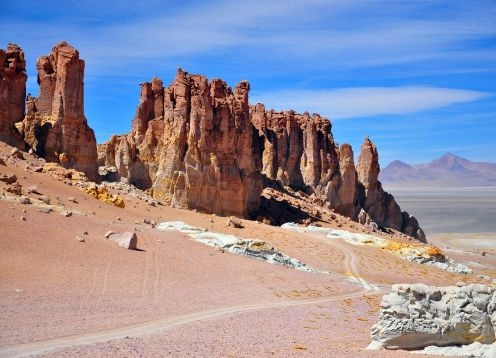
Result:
pixel 416 316
pixel 66 213
pixel 55 126
pixel 257 249
pixel 126 239
pixel 101 193
pixel 15 189
pixel 16 154
pixel 380 205
pixel 8 178
pixel 2 162
pixel 24 200
pixel 79 239
pixel 46 210
pixel 69 176
pixel 12 93
pixel 108 173
pixel 234 222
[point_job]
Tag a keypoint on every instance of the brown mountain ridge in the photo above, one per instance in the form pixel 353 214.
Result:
pixel 448 170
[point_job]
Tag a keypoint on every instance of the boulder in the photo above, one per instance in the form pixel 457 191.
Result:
pixel 126 239
pixel 416 316
pixel 234 222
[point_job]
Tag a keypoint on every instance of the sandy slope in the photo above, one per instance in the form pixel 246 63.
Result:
pixel 176 297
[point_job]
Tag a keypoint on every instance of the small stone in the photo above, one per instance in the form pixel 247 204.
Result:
pixel 45 199
pixel 23 218
pixel 72 199
pixel 46 210
pixel 24 200
pixel 118 218
pixel 85 232
pixel 33 189
pixel 79 239
pixel 37 169
pixel 235 222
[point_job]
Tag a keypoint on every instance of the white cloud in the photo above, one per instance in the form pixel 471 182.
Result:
pixel 366 101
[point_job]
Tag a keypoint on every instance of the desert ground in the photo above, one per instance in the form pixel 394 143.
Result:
pixel 67 291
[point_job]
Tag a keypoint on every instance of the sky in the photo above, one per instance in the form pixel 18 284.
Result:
pixel 417 77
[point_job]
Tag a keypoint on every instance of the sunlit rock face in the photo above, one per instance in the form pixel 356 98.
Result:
pixel 193 144
pixel 55 126
pixel 12 92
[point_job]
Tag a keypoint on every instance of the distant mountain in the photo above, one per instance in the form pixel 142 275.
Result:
pixel 447 171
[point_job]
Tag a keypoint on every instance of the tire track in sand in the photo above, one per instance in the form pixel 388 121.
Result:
pixel 350 263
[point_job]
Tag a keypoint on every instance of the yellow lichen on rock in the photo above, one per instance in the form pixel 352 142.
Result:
pixel 101 193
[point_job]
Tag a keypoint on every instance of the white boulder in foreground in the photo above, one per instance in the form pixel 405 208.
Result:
pixel 126 239
pixel 417 316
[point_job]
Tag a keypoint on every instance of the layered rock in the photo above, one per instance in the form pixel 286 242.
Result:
pixel 380 205
pixel 12 92
pixel 417 316
pixel 298 150
pixel 193 144
pixel 200 145
pixel 55 126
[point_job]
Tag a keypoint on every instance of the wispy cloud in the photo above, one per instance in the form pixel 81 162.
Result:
pixel 367 101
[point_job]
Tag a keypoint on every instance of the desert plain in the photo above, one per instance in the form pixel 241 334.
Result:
pixel 67 291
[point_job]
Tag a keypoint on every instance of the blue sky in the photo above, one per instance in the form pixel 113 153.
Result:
pixel 418 77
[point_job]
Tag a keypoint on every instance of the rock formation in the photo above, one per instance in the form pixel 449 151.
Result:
pixel 380 205
pixel 55 125
pixel 416 316
pixel 298 151
pixel 200 145
pixel 193 144
pixel 12 92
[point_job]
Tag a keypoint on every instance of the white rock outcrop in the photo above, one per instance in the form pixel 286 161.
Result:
pixel 417 316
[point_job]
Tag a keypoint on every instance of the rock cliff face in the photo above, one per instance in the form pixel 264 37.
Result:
pixel 298 150
pixel 199 144
pixel 55 126
pixel 380 205
pixel 12 92
pixel 193 144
